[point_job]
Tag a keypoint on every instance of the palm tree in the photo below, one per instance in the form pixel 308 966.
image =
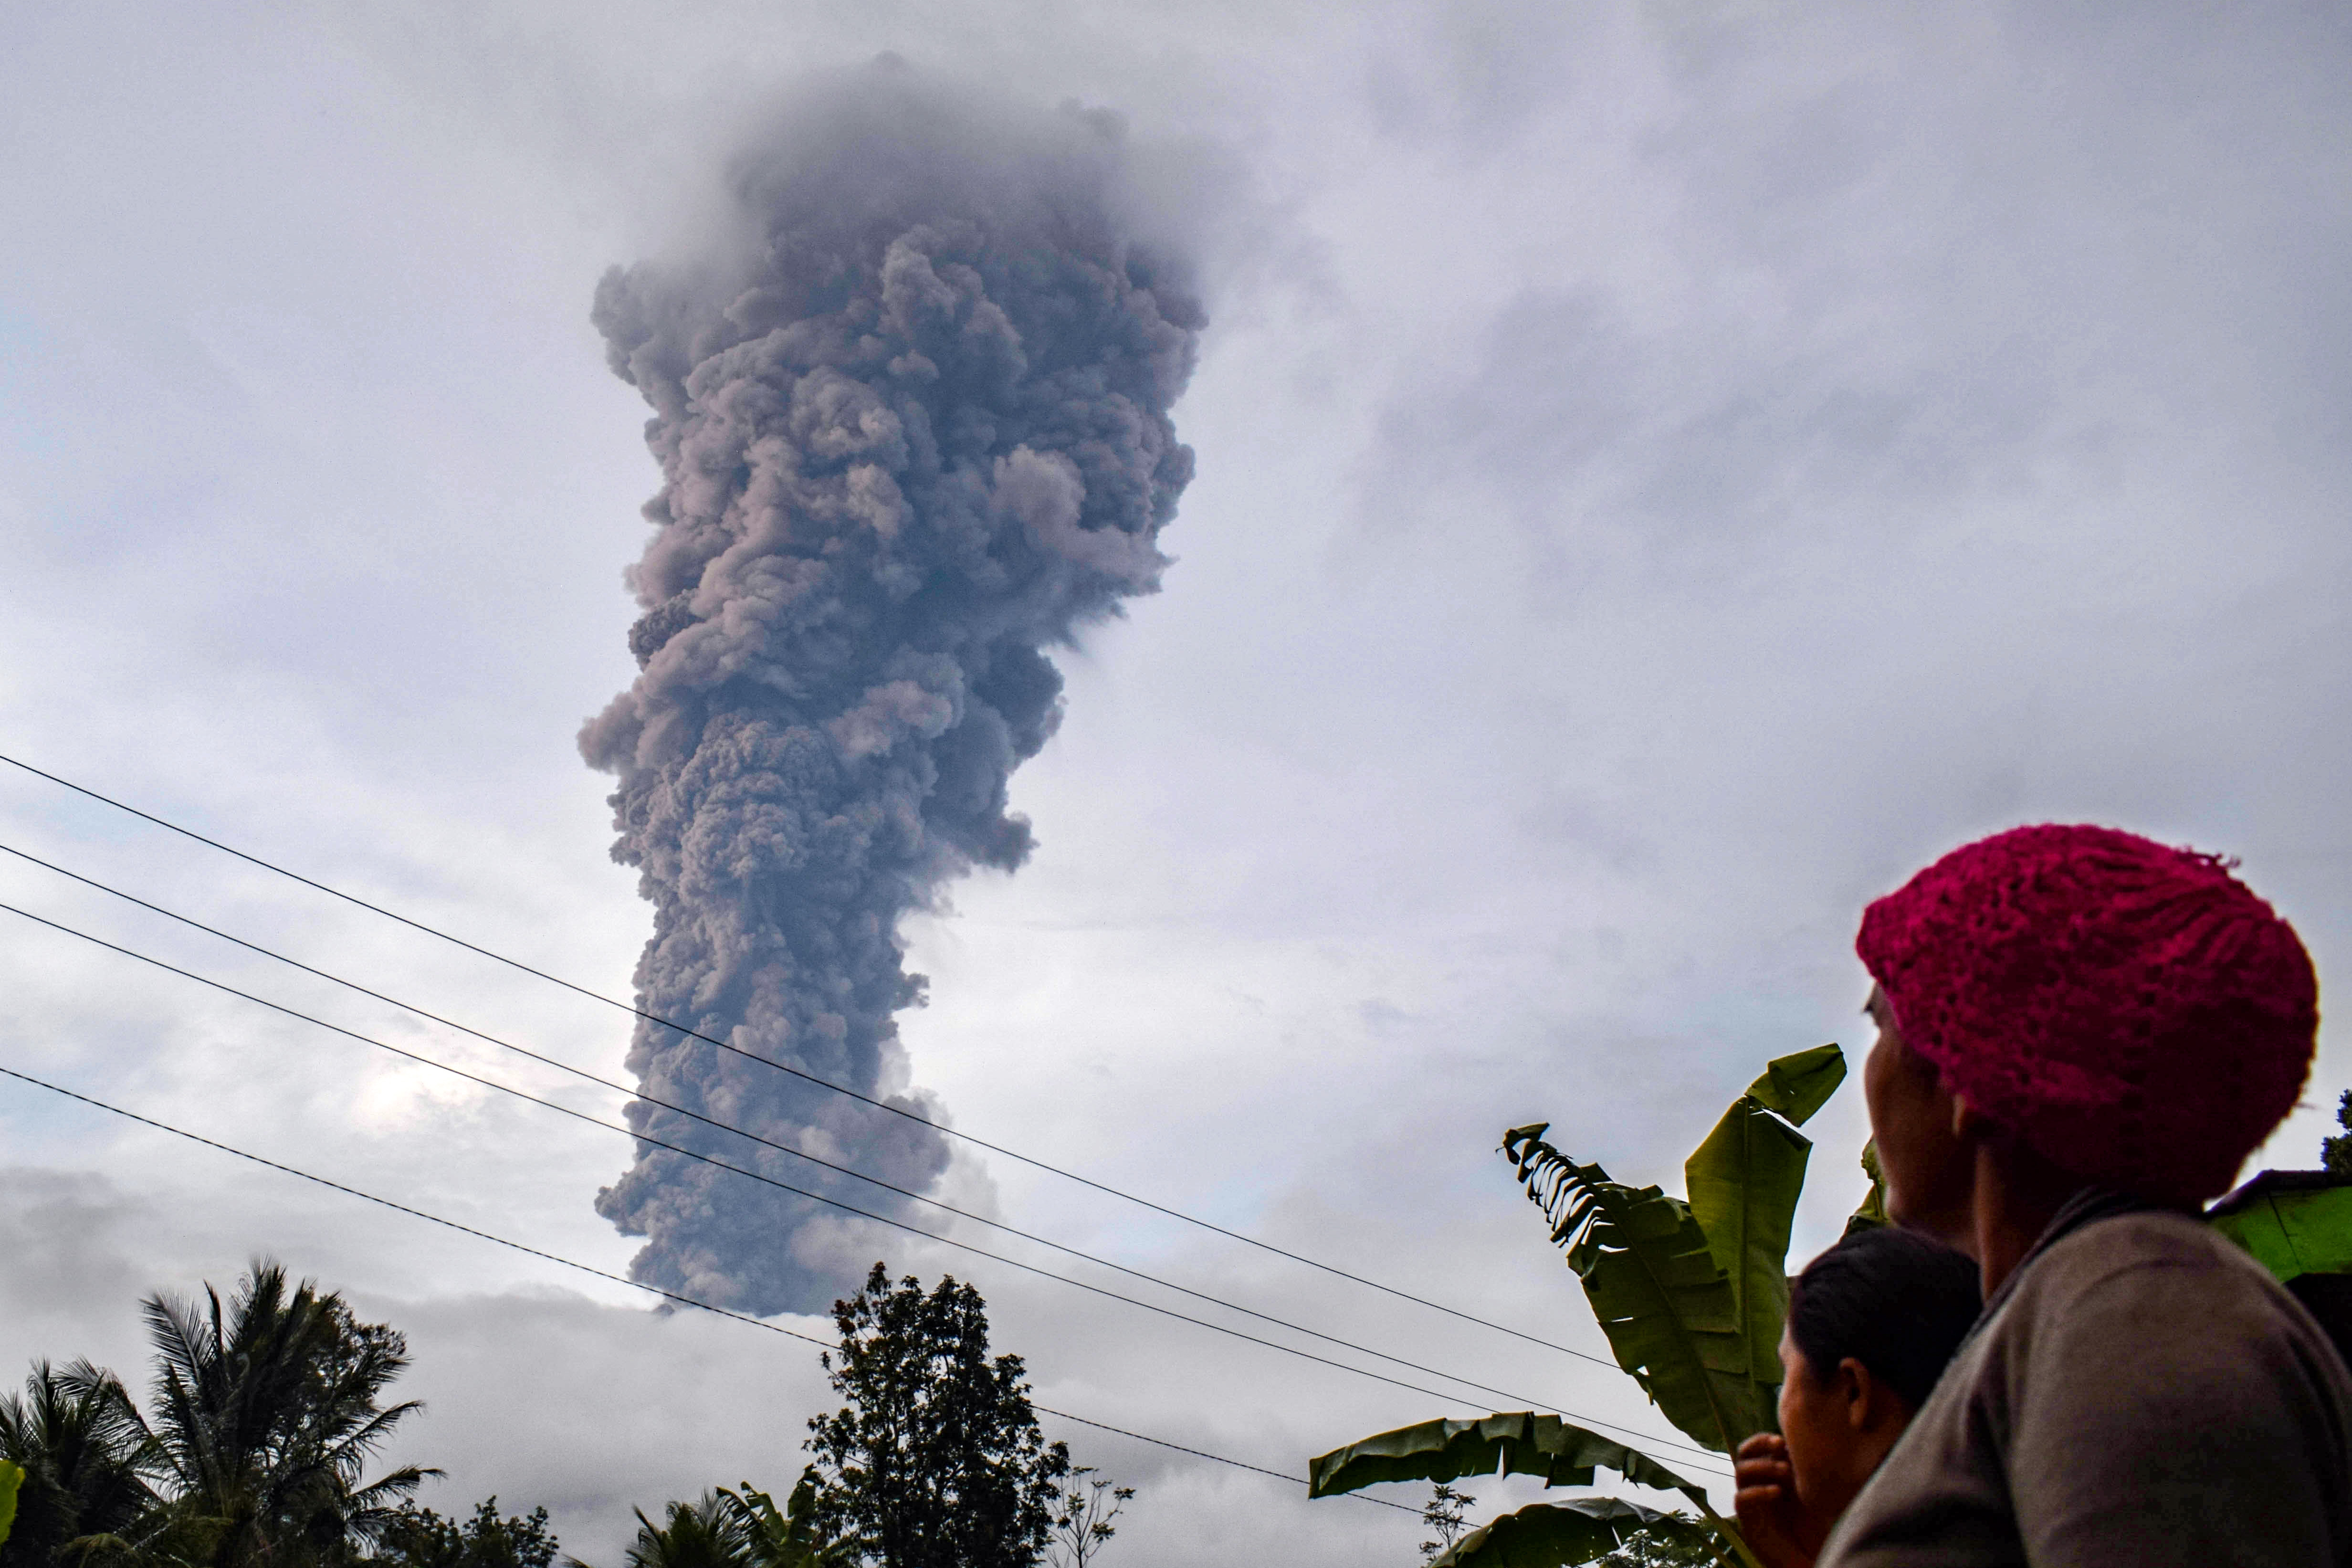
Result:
pixel 86 1458
pixel 264 1416
pixel 706 1533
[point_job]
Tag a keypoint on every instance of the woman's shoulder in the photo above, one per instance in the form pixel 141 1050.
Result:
pixel 2111 1250
pixel 2164 1287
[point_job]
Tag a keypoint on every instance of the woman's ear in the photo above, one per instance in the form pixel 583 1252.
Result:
pixel 1868 1402
pixel 1853 1386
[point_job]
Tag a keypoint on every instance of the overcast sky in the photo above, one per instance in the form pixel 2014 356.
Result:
pixel 1664 474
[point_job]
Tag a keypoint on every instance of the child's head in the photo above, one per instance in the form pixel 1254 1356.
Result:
pixel 1871 1322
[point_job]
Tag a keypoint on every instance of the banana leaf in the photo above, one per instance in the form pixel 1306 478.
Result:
pixel 1872 1214
pixel 786 1537
pixel 1666 1306
pixel 1521 1443
pixel 1744 1183
pixel 1691 1295
pixel 1564 1535
pixel 1800 1083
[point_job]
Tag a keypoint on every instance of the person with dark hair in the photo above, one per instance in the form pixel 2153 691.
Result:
pixel 1871 1323
pixel 2082 1034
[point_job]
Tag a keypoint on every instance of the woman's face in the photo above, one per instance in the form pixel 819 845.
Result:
pixel 1839 1423
pixel 1831 1453
pixel 1929 1171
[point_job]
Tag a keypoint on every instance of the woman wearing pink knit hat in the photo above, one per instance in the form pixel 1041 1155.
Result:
pixel 2082 1035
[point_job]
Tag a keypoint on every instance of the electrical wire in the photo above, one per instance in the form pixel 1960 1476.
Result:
pixel 642 1137
pixel 618 1279
pixel 795 1072
pixel 728 1127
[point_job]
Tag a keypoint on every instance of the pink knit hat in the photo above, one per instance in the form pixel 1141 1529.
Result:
pixel 2134 1013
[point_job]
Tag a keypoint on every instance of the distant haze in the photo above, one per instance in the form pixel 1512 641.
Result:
pixel 912 437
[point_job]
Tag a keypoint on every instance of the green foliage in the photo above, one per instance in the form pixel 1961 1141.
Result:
pixel 736 1527
pixel 1872 1212
pixel 266 1414
pixel 790 1538
pixel 1649 1272
pixel 2336 1154
pixel 1675 1541
pixel 1520 1444
pixel 1691 1295
pixel 1744 1182
pixel 419 1538
pixel 1088 1517
pixel 705 1534
pixel 84 1455
pixel 12 1481
pixel 1601 1531
pixel 1799 1084
pixel 1446 1516
pixel 936 1461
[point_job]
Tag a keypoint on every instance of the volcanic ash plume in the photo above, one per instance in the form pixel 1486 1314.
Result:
pixel 918 436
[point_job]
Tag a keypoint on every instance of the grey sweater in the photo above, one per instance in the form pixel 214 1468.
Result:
pixel 2140 1392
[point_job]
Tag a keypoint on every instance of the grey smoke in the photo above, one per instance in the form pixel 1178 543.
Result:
pixel 912 423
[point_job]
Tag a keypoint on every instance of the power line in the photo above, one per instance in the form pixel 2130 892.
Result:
pixel 795 1072
pixel 866 1214
pixel 723 1126
pixel 618 1279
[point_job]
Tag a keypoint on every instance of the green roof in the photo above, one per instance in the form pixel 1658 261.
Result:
pixel 2295 1222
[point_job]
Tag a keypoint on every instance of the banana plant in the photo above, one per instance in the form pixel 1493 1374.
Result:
pixel 788 1537
pixel 1873 1213
pixel 12 1480
pixel 1578 1531
pixel 1523 1442
pixel 1691 1294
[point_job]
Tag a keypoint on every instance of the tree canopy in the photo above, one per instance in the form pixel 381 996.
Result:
pixel 265 1412
pixel 936 1460
pixel 86 1457
pixel 263 1416
pixel 419 1538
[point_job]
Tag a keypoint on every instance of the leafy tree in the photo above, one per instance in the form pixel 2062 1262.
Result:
pixel 936 1461
pixel 1083 1526
pixel 419 1538
pixel 85 1457
pixel 1679 1547
pixel 1446 1514
pixel 2336 1154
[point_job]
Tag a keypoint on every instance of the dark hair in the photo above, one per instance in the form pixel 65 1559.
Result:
pixel 1893 1300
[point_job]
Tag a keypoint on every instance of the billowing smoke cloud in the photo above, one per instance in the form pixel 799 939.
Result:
pixel 917 439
